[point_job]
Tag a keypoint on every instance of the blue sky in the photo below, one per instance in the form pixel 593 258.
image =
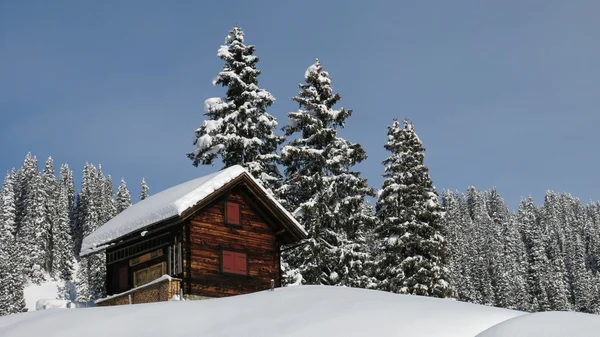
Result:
pixel 502 93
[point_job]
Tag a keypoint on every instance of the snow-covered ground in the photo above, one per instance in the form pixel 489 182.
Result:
pixel 300 311
pixel 45 291
pixel 547 324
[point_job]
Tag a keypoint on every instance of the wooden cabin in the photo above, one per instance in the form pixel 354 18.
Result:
pixel 220 235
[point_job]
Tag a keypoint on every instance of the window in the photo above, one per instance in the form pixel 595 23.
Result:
pixel 175 259
pixel 123 278
pixel 149 274
pixel 232 213
pixel 234 263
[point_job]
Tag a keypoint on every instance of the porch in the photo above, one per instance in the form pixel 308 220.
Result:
pixel 165 288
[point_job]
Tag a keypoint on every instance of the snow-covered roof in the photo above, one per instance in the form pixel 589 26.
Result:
pixel 169 203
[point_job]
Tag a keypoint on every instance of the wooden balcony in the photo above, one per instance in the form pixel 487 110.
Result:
pixel 165 288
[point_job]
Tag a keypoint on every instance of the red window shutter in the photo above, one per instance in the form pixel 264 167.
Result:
pixel 233 213
pixel 240 263
pixel 228 263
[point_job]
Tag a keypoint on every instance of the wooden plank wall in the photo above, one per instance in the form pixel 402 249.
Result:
pixel 209 235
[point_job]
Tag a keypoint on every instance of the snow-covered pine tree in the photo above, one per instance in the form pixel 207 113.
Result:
pixel 534 238
pixel 11 259
pixel 320 186
pixel 413 256
pixel 238 128
pixel 515 265
pixel 107 208
pixel 50 187
pixel 557 288
pixel 123 197
pixel 481 269
pixel 457 228
pixel 6 244
pixel 63 242
pixel 144 190
pixel 581 278
pixel 492 228
pixel 68 182
pixel 31 224
pixel 509 254
pixel 109 204
pixel 592 237
pixel 64 259
pixel 578 275
pixel 91 274
pixel 77 220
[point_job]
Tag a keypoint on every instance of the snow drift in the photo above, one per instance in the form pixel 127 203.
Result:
pixel 547 324
pixel 300 311
pixel 293 311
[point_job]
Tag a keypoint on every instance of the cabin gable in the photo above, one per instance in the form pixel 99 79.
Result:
pixel 215 236
pixel 232 248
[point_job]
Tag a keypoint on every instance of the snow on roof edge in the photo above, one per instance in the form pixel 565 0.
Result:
pixel 278 204
pixel 168 203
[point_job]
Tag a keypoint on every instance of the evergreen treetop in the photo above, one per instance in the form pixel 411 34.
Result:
pixel 144 190
pixel 320 186
pixel 123 197
pixel 413 253
pixel 238 127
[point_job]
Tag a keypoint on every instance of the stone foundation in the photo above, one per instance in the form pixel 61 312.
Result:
pixel 195 297
pixel 162 289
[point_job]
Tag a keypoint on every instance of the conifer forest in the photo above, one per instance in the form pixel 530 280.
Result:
pixel 402 237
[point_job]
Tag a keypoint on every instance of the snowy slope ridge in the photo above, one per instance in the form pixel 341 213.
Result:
pixel 547 324
pixel 293 311
pixel 166 204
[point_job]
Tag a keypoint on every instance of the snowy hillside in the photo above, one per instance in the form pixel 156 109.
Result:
pixel 547 324
pixel 293 311
pixel 299 311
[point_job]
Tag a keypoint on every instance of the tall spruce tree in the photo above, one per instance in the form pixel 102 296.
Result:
pixel 50 187
pixel 91 274
pixel 77 224
pixel 107 205
pixel 508 253
pixel 144 190
pixel 238 128
pixel 578 274
pixel 31 224
pixel 109 202
pixel 327 196
pixel 11 259
pixel 412 257
pixel 483 268
pixel 534 238
pixel 63 242
pixel 557 288
pixel 457 229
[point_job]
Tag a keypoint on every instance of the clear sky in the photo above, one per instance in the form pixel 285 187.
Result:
pixel 502 93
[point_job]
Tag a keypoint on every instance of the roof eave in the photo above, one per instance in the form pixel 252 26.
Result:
pixel 291 224
pixel 132 235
